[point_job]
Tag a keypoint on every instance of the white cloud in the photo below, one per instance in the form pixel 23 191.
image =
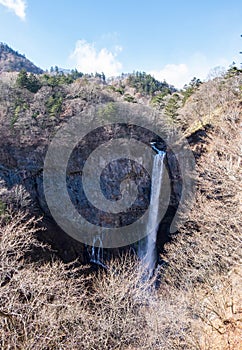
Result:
pixel 174 74
pixel 17 6
pixel 180 74
pixel 90 60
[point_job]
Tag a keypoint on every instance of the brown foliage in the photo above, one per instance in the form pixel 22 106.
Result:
pixel 205 258
pixel 50 305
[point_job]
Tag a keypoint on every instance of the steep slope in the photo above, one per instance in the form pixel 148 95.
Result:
pixel 29 120
pixel 12 61
pixel 204 258
pixel 197 304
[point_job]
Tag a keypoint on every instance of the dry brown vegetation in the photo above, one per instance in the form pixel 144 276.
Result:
pixel 55 306
pixel 197 305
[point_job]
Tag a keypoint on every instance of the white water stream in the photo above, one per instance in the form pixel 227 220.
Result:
pixel 150 254
pixel 147 252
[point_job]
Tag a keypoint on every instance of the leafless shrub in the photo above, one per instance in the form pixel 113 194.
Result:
pixel 51 305
pixel 198 303
pixel 38 303
pixel 17 197
pixel 204 259
pixel 16 238
pixel 55 306
pixel 210 100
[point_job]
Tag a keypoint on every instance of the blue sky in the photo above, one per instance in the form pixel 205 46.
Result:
pixel 173 40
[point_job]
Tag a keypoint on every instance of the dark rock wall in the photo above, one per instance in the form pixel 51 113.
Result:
pixel 22 162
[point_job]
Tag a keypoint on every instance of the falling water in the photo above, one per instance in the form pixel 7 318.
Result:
pixel 147 247
pixel 150 255
pixel 97 252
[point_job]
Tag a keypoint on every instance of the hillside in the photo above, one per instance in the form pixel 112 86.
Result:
pixel 51 294
pixel 12 61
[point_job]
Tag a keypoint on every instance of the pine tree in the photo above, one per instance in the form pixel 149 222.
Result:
pixel 22 79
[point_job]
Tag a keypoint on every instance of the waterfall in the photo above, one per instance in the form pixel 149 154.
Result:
pixel 147 246
pixel 150 255
pixel 97 252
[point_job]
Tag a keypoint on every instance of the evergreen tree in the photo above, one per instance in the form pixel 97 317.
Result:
pixel 33 83
pixel 190 88
pixel 30 82
pixel 22 79
pixel 172 107
pixel 103 77
pixel 145 83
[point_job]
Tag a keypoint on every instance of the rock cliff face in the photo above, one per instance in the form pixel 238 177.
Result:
pixel 24 140
pixel 29 122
